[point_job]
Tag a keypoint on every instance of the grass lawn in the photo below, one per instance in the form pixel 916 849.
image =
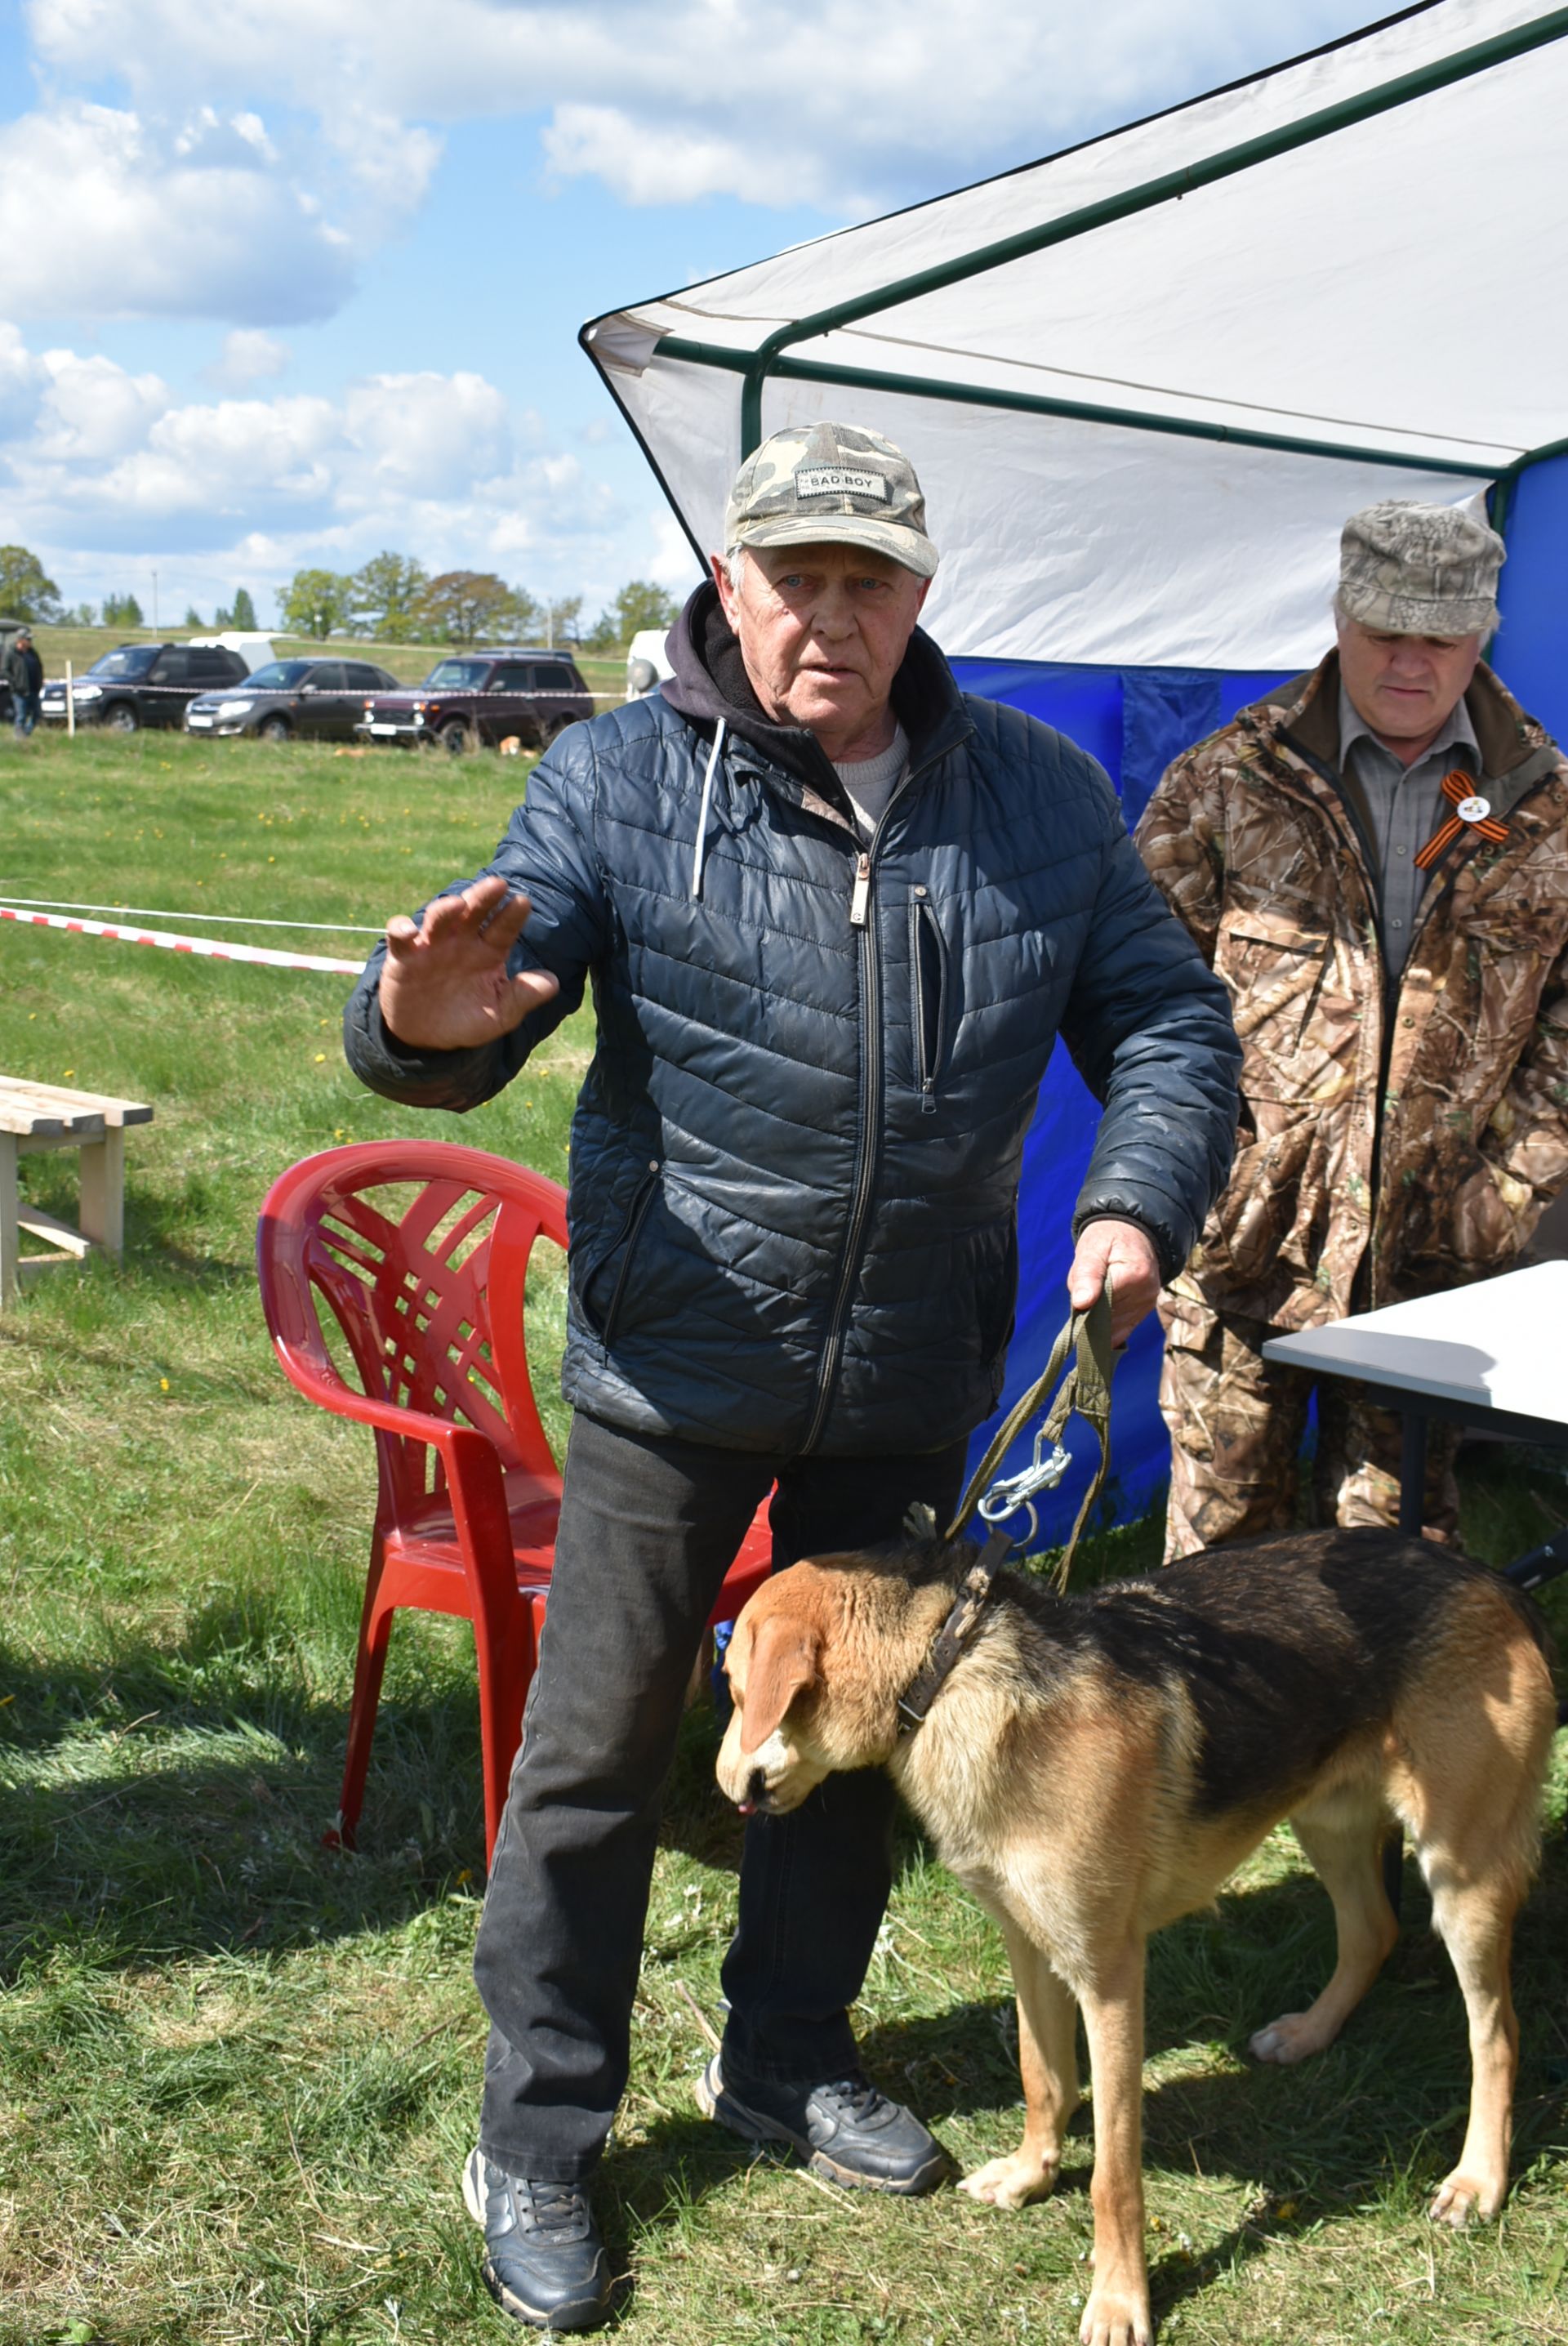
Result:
pixel 237 2071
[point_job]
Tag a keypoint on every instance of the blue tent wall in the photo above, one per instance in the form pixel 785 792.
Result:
pixel 1530 648
pixel 1135 721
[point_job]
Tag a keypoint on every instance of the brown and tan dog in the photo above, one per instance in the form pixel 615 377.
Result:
pixel 1095 1766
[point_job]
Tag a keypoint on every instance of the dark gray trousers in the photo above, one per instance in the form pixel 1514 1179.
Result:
pixel 647 1530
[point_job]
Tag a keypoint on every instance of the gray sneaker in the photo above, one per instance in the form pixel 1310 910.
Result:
pixel 843 2130
pixel 545 2262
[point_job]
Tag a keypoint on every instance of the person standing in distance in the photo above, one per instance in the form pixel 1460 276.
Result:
pixel 25 675
pixel 835 914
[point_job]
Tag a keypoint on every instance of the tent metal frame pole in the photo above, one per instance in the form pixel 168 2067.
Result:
pixel 1505 486
pixel 1169 187
pixel 1022 402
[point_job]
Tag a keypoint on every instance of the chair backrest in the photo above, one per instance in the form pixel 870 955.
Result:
pixel 419 1250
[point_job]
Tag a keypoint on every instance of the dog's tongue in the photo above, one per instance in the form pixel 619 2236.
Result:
pixel 746 1808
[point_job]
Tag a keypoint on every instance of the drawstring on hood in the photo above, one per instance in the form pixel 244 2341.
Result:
pixel 702 811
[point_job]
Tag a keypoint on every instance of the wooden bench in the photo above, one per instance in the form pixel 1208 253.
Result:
pixel 46 1116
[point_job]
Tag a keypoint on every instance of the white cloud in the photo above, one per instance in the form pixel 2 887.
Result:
pixel 23 380
pixel 379 168
pixel 226 459
pixel 93 409
pixel 672 564
pixel 102 210
pixel 844 104
pixel 428 434
pixel 105 467
pixel 206 141
pixel 249 355
pixel 659 163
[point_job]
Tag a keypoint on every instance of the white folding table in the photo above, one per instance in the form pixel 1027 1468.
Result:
pixel 1494 1354
pixel 1491 1355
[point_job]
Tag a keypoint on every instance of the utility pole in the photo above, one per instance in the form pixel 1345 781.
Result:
pixel 155 602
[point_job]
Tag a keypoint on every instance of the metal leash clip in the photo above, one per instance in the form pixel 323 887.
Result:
pixel 1010 1493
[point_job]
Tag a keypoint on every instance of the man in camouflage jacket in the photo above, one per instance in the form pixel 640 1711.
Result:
pixel 1403 1001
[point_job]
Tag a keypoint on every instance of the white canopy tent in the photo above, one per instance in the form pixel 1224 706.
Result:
pixel 1144 381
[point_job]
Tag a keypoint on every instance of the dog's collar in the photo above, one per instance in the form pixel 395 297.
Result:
pixel 956 1634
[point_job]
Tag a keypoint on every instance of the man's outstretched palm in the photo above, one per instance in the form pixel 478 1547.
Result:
pixel 444 985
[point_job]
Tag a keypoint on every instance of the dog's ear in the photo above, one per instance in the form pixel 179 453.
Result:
pixel 782 1664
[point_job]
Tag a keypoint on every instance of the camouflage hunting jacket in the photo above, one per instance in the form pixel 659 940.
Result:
pixel 1398 1135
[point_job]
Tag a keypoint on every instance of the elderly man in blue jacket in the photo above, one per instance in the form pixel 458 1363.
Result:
pixel 835 914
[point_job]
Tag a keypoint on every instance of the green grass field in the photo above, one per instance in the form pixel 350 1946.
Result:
pixel 237 2071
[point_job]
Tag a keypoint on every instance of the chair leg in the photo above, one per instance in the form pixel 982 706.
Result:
pixel 504 1674
pixel 375 1630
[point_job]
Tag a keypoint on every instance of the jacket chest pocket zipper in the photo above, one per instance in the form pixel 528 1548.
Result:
pixel 633 1228
pixel 928 996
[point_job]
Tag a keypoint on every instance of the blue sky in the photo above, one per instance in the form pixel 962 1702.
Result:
pixel 287 281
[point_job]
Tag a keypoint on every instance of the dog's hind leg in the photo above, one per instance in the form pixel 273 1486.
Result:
pixel 1475 1922
pixel 1343 1838
pixel 1470 1799
pixel 1048 2062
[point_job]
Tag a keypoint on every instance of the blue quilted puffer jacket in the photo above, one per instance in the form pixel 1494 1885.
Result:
pixel 795 1158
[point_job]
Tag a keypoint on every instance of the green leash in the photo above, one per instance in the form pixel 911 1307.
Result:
pixel 1086 1386
pixel 1084 1359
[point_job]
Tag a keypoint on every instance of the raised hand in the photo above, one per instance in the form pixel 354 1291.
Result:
pixel 444 985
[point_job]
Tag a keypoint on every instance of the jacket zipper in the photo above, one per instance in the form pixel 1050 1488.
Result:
pixel 635 1222
pixel 870 1095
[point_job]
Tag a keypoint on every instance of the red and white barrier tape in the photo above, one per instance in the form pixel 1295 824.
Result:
pixel 211 947
pixel 155 913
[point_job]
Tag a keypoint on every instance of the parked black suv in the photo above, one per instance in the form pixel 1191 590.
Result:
pixel 143 684
pixel 472 698
pixel 322 698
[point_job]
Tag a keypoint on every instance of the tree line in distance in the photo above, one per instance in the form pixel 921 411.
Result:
pixel 391 599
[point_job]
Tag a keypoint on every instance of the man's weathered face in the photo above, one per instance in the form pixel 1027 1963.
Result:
pixel 1405 686
pixel 823 630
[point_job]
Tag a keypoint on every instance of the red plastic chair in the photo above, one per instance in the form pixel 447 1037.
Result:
pixel 426 1288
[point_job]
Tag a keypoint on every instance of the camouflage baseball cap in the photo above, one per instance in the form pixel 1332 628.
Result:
pixel 831 482
pixel 1411 569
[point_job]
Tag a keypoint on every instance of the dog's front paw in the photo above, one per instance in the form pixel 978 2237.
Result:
pixel 1011 2182
pixel 1462 2197
pixel 1289 2038
pixel 1116 2316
